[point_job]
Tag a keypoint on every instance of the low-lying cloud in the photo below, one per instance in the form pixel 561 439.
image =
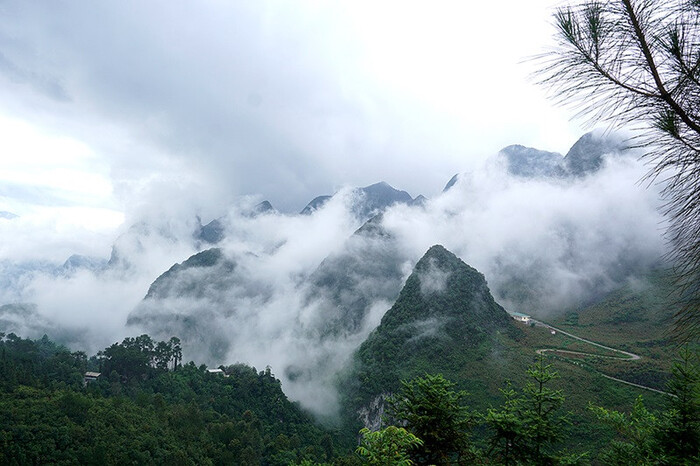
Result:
pixel 294 297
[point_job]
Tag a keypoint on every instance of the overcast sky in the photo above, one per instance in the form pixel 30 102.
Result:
pixel 109 107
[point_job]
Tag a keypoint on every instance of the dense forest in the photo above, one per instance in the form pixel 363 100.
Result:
pixel 146 407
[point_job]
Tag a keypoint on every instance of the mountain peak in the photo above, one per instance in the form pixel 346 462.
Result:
pixel 444 316
pixel 442 286
pixel 315 204
pixel 381 184
pixel 586 155
pixel 451 183
pixel 384 188
pixel 529 162
pixel 439 252
pixel 262 208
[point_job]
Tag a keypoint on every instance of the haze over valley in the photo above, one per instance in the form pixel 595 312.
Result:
pixel 300 292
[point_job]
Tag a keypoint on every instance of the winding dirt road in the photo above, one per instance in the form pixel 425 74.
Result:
pixel 627 355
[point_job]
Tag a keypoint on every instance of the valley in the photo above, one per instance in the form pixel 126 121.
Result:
pixel 370 287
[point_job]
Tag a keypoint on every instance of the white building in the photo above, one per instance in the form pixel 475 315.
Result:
pixel 524 318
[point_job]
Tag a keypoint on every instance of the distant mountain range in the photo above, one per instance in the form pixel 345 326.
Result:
pixel 371 200
pixel 369 308
pixel 368 202
pixel 194 297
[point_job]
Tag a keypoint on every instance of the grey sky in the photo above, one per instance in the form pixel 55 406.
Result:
pixel 288 100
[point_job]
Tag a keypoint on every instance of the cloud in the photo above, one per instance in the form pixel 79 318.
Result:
pixel 263 97
pixel 301 292
pixel 543 244
pixel 433 280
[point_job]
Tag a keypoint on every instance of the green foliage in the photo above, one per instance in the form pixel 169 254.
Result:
pixel 509 432
pixel 669 437
pixel 140 357
pixel 189 416
pixel 544 426
pixel 526 426
pixel 637 431
pixel 388 447
pixel 39 363
pixel 432 411
pixel 680 433
pixel 446 329
pixel 145 414
pixel 442 332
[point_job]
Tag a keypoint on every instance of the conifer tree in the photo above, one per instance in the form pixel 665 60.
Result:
pixel 636 63
pixel 431 410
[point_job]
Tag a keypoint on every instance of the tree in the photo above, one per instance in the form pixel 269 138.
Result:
pixel 669 437
pixel 176 351
pixel 679 436
pixel 131 358
pixel 637 431
pixel 508 439
pixel 526 426
pixel 637 63
pixel 162 354
pixel 387 447
pixel 432 411
pixel 544 426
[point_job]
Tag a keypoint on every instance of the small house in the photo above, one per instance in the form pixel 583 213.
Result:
pixel 216 372
pixel 90 377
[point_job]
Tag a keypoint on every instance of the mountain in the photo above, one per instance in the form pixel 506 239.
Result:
pixel 81 262
pixel 146 241
pixel 193 300
pixel 315 204
pixel 198 276
pixel 346 285
pixel 530 163
pixel 25 319
pixel 443 320
pixel 209 298
pixel 377 197
pixel 215 231
pixel 451 183
pixel 638 317
pixel 8 215
pixel 369 200
pixel 260 209
pixel 585 157
pixel 419 200
pixel 211 233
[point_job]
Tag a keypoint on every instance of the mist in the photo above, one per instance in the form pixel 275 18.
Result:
pixel 299 293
